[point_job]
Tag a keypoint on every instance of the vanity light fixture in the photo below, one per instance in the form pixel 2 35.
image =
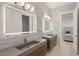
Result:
pixel 25 6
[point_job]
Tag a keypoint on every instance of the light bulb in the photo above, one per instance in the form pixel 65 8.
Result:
pixel 27 6
pixel 20 3
pixel 32 9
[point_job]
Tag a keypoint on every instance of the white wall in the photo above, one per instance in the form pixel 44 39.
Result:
pixel 67 19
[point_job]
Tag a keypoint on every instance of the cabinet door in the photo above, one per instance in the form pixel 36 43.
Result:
pixel 39 50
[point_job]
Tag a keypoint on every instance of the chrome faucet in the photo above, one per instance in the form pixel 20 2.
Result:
pixel 25 40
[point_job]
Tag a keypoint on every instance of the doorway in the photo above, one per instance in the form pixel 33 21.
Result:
pixel 67 30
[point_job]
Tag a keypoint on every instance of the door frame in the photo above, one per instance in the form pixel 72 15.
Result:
pixel 61 40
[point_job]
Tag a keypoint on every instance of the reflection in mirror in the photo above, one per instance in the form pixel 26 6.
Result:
pixel 25 23
pixel 16 21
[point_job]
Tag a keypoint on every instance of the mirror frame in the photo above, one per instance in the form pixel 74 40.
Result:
pixel 43 27
pixel 4 19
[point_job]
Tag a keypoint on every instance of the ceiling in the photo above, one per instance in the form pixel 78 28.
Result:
pixel 53 5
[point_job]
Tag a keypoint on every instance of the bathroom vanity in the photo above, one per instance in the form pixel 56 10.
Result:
pixel 36 48
pixel 51 41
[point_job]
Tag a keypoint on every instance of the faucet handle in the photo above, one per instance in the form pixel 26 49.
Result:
pixel 25 40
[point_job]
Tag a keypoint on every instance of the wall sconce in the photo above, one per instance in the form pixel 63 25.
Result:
pixel 29 7
pixel 47 16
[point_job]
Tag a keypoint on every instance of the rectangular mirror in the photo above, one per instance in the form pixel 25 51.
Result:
pixel 47 25
pixel 16 21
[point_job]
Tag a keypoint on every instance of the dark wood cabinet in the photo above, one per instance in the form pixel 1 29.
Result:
pixel 51 42
pixel 38 50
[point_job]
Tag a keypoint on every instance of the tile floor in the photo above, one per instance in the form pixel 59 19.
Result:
pixel 65 50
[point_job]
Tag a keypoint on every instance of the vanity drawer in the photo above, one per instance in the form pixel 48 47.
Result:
pixel 39 50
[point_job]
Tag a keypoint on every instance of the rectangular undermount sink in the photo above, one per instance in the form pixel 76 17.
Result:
pixel 28 45
pixel 50 35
